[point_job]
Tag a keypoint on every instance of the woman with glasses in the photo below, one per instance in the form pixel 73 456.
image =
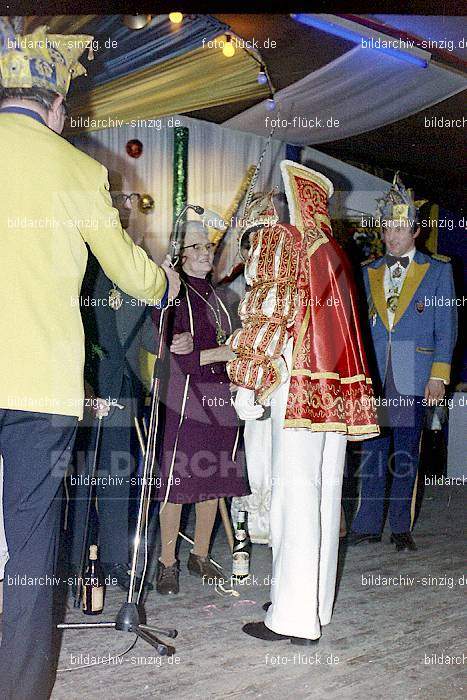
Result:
pixel 200 459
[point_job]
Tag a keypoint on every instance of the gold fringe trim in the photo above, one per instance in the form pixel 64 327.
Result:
pixel 331 427
pixel 331 375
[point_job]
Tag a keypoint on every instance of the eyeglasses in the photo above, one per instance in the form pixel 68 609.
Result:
pixel 121 199
pixel 199 247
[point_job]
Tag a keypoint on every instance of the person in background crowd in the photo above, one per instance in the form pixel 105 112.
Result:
pixel 413 340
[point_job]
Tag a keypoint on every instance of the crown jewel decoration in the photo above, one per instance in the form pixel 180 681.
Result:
pixel 398 202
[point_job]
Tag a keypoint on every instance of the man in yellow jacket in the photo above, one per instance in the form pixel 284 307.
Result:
pixel 54 200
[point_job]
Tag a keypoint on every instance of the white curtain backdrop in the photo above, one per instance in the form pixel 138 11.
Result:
pixel 217 162
pixel 363 89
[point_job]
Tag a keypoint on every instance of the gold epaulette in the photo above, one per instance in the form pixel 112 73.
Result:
pixel 441 258
pixel 368 261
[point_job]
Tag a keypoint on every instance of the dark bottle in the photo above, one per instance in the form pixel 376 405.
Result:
pixel 242 549
pixel 93 585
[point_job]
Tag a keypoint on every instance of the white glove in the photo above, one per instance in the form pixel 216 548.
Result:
pixel 245 405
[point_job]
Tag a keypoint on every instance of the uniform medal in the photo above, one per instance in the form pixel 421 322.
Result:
pixel 392 302
pixel 420 306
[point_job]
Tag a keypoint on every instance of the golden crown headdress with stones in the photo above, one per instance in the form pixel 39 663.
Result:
pixel 40 59
pixel 398 203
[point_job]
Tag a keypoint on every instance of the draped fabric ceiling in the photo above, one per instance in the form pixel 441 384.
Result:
pixel 380 102
pixel 199 78
pixel 167 69
pixel 379 91
pixel 160 70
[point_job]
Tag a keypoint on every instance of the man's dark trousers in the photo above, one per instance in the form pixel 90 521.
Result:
pixel 36 450
pixel 401 427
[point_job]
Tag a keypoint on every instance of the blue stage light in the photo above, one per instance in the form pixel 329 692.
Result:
pixel 351 35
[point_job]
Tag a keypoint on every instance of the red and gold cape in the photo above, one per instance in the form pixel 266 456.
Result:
pixel 302 287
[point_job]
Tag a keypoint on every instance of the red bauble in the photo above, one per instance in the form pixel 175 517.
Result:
pixel 134 148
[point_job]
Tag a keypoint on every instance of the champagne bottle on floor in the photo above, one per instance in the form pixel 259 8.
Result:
pixel 93 585
pixel 242 549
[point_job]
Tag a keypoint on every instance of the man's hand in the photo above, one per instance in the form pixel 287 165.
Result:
pixel 226 354
pixel 173 278
pixel 99 408
pixel 245 405
pixel 182 343
pixel 223 353
pixel 435 391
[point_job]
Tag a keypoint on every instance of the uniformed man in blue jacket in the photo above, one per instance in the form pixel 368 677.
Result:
pixel 413 322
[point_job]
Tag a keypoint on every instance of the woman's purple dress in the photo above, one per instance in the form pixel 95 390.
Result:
pixel 209 456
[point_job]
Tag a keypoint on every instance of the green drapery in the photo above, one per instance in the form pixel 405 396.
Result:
pixel 180 170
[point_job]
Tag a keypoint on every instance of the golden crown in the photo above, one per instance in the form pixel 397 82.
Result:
pixel 40 59
pixel 398 203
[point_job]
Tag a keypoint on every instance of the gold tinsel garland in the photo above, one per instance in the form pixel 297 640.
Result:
pixel 216 236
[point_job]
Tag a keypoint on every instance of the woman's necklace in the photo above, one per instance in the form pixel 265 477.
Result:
pixel 221 335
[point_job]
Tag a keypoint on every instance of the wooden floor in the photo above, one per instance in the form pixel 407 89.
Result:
pixel 381 642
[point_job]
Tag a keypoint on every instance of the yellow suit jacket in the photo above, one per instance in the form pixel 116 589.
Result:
pixel 53 200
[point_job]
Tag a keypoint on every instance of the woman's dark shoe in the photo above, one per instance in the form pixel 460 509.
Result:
pixel 167 578
pixel 258 630
pixel 203 568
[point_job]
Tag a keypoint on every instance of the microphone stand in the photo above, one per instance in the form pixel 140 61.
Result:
pixel 128 617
